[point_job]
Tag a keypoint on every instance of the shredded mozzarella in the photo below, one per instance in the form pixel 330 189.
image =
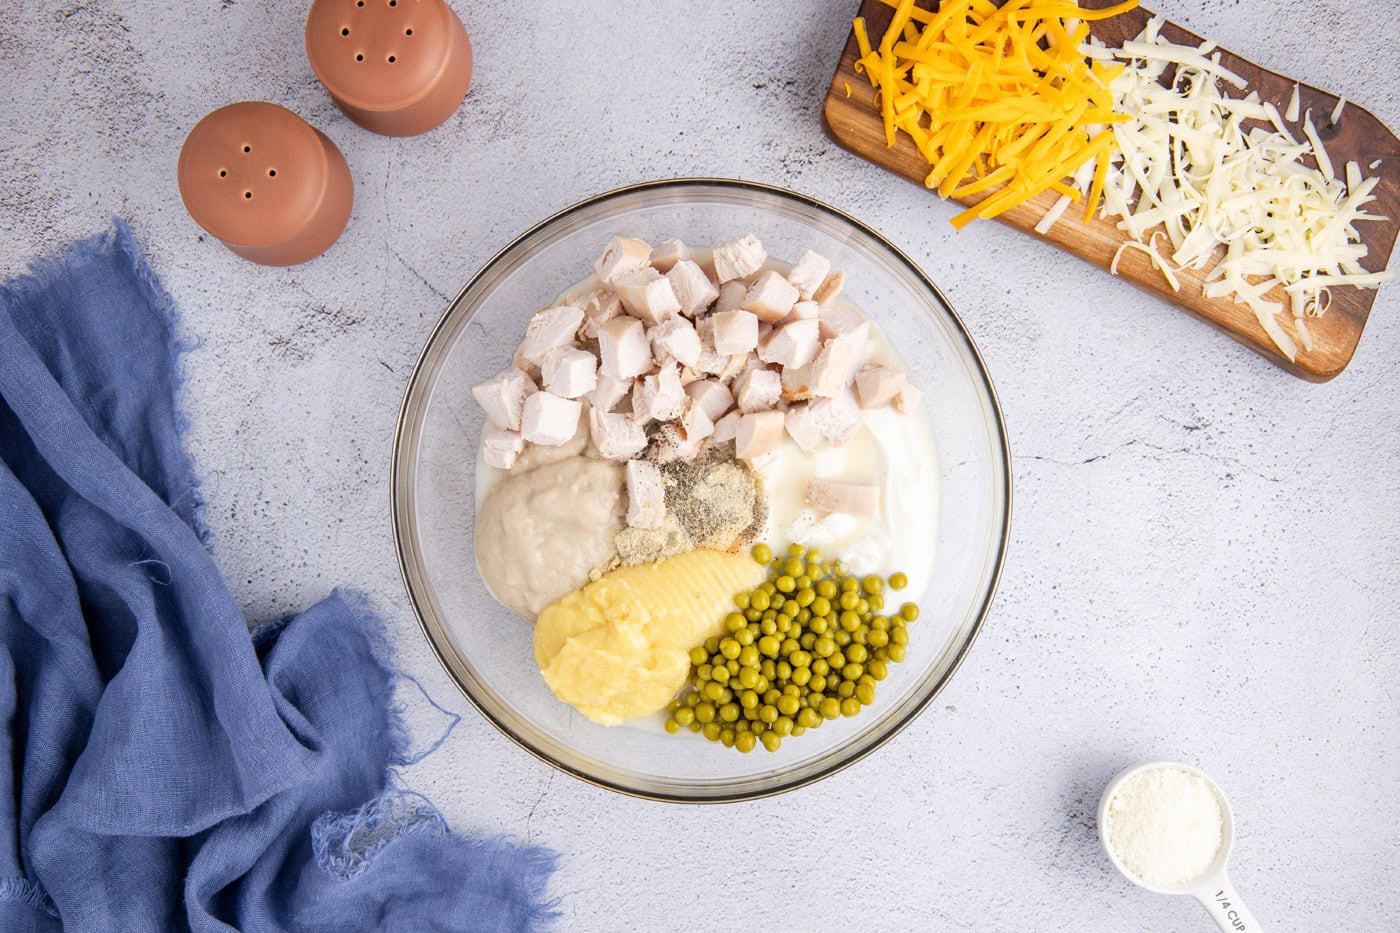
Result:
pixel 1237 201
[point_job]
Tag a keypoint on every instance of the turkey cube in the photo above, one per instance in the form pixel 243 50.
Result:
pixel 623 347
pixel 608 392
pixel 693 289
pixel 665 256
pixel 548 330
pixel 804 310
pixel 624 254
pixel 758 390
pixel 731 296
pixel 770 297
pixel 503 396
pixel 675 339
pixel 793 344
pixel 659 396
pixel 878 385
pixel 735 332
pixel 797 382
pixel 808 273
pixel 549 420
pixel 599 307
pixel 569 372
pixel 646 495
pixel 835 366
pixel 842 321
pixel 618 436
pixel 695 423
pixel 647 294
pixel 499 448
pixel 713 396
pixel 837 418
pixel 726 428
pixel 830 288
pixel 757 434
pixel 802 427
pixel 739 257
pixel 859 499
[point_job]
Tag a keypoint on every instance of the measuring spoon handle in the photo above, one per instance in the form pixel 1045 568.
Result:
pixel 1227 909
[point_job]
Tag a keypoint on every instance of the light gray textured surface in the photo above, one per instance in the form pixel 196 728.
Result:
pixel 1206 554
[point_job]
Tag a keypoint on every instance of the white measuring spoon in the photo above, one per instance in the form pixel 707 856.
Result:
pixel 1213 889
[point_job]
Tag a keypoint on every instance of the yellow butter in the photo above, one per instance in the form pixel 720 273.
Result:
pixel 619 648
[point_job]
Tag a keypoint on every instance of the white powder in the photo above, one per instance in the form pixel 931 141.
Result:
pixel 1166 826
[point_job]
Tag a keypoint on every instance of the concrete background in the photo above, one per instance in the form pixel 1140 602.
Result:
pixel 1205 565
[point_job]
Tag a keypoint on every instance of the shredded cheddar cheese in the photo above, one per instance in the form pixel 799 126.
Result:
pixel 996 97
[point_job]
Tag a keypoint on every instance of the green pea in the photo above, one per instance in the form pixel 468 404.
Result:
pixel 910 611
pixel 720 675
pixel 824 647
pixel 804 616
pixel 878 638
pixel 801 676
pixel 804 597
pixel 817 683
pixel 694 727
pixel 820 666
pixel 807 640
pixel 711 731
pixel 821 607
pixel 698 655
pixel 741 601
pixel 826 589
pixel 712 691
pixel 820 625
pixel 798 730
pixel 875 602
pixel 863 608
pixel 865 693
pixel 729 712
pixel 768 714
pixel 711 645
pixel 771 741
pixel 748 699
pixel 762 553
pixel 850 585
pixel 744 637
pixel 769 645
pixel 830 708
pixel 794 567
pixel 705 712
pixel 857 654
pixel 745 742
pixel 768 627
pixel 850 706
pixel 729 648
pixel 768 669
pixel 788 705
pixel 898 581
pixel 748 677
pixel 692 699
pixel 806 718
pixel 785 584
pixel 852 671
pixel 849 600
pixel 727 737
pixel 896 652
pixel 880 622
pixel 837 660
pixel 685 715
pixel 899 635
pixel 702 673
pixel 782 726
pixel 845 689
pixel 850 621
pixel 759 600
pixel 796 550
pixel 758 727
pixel 753 615
pixel 673 727
pixel 872 584
pixel 814 556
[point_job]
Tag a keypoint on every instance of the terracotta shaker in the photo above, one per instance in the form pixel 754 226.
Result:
pixel 397 67
pixel 266 183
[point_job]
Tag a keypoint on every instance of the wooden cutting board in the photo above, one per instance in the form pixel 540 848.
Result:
pixel 855 123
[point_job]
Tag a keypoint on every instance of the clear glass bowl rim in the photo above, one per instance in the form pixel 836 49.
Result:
pixel 400 506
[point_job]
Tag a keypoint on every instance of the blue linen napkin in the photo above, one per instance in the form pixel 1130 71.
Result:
pixel 161 769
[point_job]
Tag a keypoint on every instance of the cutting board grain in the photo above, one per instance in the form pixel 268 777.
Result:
pixel 855 123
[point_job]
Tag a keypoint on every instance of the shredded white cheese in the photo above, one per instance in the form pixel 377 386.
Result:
pixel 1238 201
pixel 1337 110
pixel 1292 112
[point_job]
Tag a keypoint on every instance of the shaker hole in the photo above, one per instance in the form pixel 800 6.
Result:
pixel 247 194
pixel 359 58
pixel 393 2
pixel 223 173
pixel 272 173
pixel 360 3
pixel 247 148
pixel 408 32
pixel 392 59
pixel 345 31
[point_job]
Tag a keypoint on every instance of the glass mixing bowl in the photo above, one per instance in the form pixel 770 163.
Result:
pixel 488 651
